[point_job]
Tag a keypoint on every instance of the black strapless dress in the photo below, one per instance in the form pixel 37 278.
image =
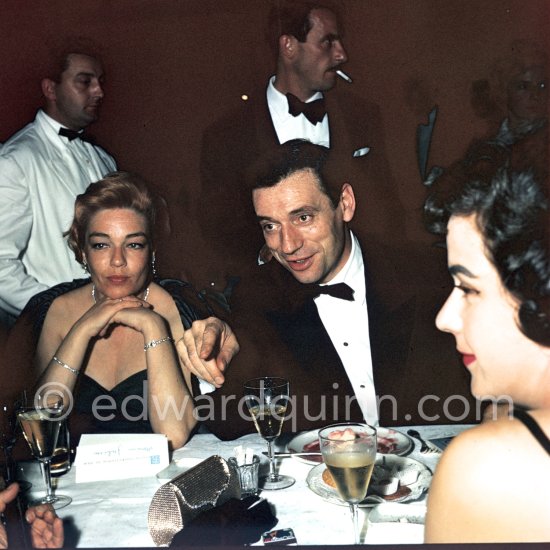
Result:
pixel 123 409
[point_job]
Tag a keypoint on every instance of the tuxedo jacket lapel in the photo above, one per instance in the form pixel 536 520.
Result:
pixel 391 312
pixel 340 137
pixel 390 330
pixel 321 375
pixel 349 131
pixel 266 136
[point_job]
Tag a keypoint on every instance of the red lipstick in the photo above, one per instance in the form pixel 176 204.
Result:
pixel 468 359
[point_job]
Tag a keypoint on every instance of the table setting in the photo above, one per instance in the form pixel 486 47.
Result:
pixel 343 484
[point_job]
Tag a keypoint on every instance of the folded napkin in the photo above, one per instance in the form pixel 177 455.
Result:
pixel 395 512
pixel 234 523
pixel 176 503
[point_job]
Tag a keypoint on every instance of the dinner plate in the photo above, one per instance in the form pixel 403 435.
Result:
pixel 384 463
pixel 389 441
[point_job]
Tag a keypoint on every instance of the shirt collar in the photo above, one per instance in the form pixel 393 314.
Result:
pixel 353 272
pixel 277 101
pixel 51 124
pixel 47 119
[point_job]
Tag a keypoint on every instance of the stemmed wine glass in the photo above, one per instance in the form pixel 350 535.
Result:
pixel 8 437
pixel 40 425
pixel 267 400
pixel 349 452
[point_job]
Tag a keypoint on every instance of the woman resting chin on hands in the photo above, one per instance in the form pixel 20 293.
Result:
pixel 110 343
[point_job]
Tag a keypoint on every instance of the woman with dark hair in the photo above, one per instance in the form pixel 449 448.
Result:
pixel 493 481
pixel 109 341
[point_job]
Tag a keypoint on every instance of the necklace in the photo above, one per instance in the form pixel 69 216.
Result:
pixel 145 296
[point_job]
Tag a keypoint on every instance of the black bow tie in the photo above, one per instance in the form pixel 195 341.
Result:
pixel 339 290
pixel 314 111
pixel 73 134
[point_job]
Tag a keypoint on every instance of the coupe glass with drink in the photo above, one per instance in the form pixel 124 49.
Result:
pixel 349 452
pixel 40 425
pixel 267 400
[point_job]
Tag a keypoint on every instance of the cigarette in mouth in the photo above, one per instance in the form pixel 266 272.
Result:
pixel 343 75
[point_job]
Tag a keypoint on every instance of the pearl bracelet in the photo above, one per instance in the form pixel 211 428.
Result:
pixel 155 343
pixel 64 365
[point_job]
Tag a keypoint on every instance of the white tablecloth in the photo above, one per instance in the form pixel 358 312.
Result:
pixel 114 513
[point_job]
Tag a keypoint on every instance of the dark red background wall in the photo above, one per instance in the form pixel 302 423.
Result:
pixel 173 66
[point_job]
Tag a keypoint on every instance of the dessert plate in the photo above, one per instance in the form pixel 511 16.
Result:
pixel 389 442
pixel 415 479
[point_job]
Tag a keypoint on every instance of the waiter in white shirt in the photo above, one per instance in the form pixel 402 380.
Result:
pixel 43 167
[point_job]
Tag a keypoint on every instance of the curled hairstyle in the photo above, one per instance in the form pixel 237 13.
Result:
pixel 512 216
pixel 294 156
pixel 115 190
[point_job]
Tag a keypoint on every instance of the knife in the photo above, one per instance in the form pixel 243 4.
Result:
pixel 286 455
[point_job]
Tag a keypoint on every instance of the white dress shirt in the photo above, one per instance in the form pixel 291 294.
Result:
pixel 295 127
pixel 347 324
pixel 41 173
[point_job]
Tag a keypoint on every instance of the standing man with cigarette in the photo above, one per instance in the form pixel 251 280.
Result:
pixel 310 53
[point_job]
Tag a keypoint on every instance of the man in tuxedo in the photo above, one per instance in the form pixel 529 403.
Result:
pixel 347 320
pixel 43 167
pixel 307 41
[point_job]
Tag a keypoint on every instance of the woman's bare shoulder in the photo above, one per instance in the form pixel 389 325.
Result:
pixel 164 305
pixel 485 481
pixel 67 308
pixel 493 448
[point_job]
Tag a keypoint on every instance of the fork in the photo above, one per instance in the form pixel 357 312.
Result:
pixel 426 447
pixel 278 454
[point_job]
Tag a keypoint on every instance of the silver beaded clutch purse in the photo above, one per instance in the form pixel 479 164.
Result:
pixel 176 503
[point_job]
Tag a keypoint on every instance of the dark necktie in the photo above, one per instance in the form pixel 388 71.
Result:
pixel 73 134
pixel 314 111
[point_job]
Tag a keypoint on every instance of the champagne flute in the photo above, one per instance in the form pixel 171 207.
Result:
pixel 267 401
pixel 40 425
pixel 349 452
pixel 8 438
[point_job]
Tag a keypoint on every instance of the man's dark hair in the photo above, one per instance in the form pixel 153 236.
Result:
pixel 61 50
pixel 294 156
pixel 512 215
pixel 292 17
